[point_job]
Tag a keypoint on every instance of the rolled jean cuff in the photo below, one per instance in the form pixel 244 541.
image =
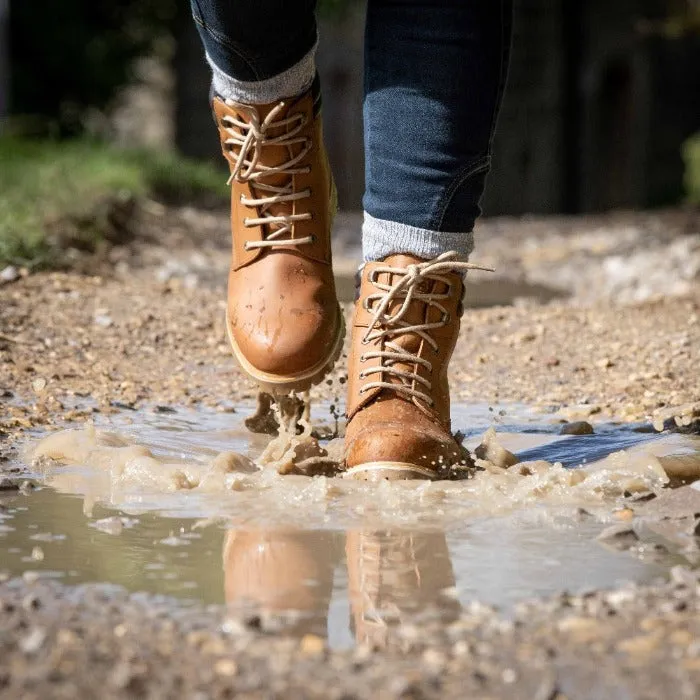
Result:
pixel 382 238
pixel 290 83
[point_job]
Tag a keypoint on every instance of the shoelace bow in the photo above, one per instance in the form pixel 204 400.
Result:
pixel 386 325
pixel 250 138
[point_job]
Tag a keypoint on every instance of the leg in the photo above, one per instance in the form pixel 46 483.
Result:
pixel 435 71
pixel 283 318
pixel 259 50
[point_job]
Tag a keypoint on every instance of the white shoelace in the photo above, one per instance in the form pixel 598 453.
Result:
pixel 251 139
pixel 391 325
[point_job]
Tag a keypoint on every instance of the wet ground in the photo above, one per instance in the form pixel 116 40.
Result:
pixel 146 553
pixel 143 504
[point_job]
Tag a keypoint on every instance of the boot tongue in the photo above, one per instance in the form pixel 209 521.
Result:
pixel 272 156
pixel 417 313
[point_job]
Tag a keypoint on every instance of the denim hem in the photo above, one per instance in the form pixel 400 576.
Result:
pixel 381 238
pixel 292 82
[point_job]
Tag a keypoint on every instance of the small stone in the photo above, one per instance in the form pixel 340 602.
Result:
pixel 312 644
pixel 624 514
pixel 31 602
pixel 7 484
pixel 33 641
pixel 9 274
pixel 641 645
pixel 38 554
pixel 38 385
pixel 226 667
pixel 103 320
pixel 490 450
pixel 579 427
pixel 435 659
pixel 509 676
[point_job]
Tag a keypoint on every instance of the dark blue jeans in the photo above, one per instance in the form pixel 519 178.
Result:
pixel 434 76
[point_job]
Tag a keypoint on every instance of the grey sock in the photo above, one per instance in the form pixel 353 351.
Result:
pixel 292 82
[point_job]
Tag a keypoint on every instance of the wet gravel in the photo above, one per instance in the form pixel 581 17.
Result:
pixel 635 642
pixel 73 345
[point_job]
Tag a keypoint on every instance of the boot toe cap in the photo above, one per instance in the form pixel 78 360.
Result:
pixel 285 343
pixel 425 447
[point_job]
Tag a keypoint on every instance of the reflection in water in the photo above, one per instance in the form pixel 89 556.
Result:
pixel 273 572
pixel 319 555
pixel 391 576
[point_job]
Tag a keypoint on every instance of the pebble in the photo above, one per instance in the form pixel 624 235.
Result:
pixel 103 320
pixel 33 641
pixel 579 427
pixel 312 644
pixel 623 514
pixel 225 667
pixel 9 274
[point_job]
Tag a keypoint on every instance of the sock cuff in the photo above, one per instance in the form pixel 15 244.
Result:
pixel 290 83
pixel 381 238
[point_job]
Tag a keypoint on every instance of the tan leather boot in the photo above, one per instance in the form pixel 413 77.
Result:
pixel 404 330
pixel 283 317
pixel 395 575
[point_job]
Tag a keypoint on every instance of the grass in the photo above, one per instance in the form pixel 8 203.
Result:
pixel 45 182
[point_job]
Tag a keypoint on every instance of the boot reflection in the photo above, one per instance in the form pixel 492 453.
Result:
pixel 276 572
pixel 393 575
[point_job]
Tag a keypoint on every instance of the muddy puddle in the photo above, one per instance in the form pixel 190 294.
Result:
pixel 173 502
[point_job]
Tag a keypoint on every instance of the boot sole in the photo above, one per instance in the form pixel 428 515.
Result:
pixel 392 471
pixel 302 381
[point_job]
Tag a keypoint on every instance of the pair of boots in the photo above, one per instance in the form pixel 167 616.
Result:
pixel 284 321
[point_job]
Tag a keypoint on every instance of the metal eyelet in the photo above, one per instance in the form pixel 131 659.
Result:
pixel 246 247
pixel 363 358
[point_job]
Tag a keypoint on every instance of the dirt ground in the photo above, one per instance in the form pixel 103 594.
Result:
pixel 147 328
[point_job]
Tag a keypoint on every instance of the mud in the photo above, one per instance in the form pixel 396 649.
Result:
pixel 229 577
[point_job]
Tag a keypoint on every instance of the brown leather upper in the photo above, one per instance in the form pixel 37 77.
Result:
pixel 387 425
pixel 282 306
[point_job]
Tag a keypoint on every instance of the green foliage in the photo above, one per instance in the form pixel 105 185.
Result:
pixel 46 183
pixel 691 156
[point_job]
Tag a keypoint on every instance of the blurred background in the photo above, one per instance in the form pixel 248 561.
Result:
pixel 601 113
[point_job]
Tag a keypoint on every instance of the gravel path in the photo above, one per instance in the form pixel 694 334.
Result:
pixel 73 345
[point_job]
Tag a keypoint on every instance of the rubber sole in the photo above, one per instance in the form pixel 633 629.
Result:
pixel 302 381
pixel 393 471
